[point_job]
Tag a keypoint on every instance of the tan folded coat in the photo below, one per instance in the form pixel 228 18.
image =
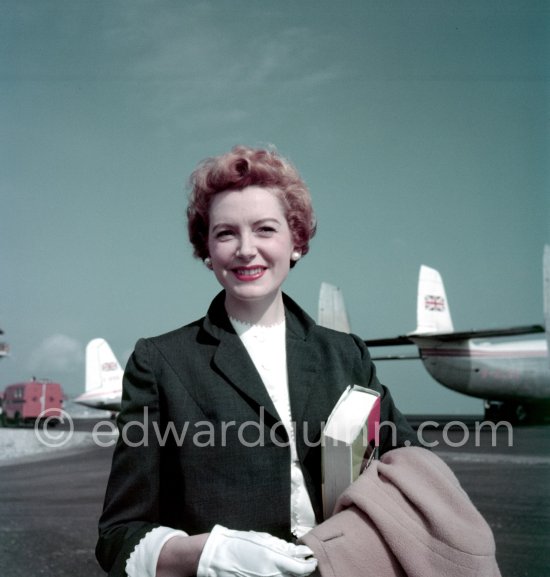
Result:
pixel 406 516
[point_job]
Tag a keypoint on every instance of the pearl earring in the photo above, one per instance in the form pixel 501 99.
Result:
pixel 208 262
pixel 296 255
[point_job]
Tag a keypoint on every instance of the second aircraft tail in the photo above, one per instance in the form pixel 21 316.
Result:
pixel 433 315
pixel 102 367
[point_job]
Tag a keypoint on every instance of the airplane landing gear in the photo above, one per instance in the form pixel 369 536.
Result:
pixel 517 413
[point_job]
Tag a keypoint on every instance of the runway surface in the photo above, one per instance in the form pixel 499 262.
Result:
pixel 49 506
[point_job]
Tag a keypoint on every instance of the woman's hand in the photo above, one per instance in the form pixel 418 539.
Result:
pixel 250 554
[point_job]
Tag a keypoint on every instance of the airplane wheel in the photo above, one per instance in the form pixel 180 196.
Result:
pixel 518 413
pixel 494 411
pixel 500 411
pixel 521 413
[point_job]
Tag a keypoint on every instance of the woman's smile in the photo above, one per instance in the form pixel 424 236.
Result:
pixel 247 274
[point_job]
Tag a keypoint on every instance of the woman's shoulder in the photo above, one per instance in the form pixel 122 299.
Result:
pixel 303 325
pixel 338 338
pixel 186 332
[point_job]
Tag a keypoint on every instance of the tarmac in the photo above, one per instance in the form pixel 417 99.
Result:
pixel 51 499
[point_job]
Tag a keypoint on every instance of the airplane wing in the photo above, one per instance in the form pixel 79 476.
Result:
pixel 389 342
pixel 434 322
pixel 413 338
pixel 433 316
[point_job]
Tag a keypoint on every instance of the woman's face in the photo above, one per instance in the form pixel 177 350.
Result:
pixel 250 245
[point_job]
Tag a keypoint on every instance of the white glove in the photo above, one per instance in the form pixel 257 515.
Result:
pixel 230 553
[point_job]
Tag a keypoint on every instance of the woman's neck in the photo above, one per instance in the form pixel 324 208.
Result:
pixel 266 312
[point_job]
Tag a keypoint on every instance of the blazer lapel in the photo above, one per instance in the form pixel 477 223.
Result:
pixel 234 362
pixel 232 359
pixel 302 363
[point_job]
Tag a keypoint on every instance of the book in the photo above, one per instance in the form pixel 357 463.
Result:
pixel 349 441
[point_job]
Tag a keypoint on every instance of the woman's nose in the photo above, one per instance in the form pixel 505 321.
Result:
pixel 247 248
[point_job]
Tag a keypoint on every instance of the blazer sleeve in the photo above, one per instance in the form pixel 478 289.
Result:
pixel 394 430
pixel 131 507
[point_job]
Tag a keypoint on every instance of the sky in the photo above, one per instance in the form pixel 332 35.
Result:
pixel 421 128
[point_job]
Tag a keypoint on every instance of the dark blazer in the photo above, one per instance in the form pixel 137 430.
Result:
pixel 200 440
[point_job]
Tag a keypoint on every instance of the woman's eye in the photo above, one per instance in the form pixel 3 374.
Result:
pixel 224 234
pixel 266 230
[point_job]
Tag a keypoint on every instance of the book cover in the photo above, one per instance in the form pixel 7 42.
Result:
pixel 349 441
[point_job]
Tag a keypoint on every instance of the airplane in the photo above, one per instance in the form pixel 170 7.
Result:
pixel 103 378
pixel 511 375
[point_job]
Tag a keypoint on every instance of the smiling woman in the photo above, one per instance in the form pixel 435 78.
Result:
pixel 255 362
pixel 251 248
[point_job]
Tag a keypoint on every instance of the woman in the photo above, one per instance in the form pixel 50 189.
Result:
pixel 221 419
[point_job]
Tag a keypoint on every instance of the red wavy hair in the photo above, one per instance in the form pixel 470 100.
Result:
pixel 241 167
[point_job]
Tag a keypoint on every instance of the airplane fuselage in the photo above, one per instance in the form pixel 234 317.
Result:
pixel 512 370
pixel 108 400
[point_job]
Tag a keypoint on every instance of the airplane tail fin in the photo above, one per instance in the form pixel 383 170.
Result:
pixel 332 310
pixel 102 367
pixel 432 308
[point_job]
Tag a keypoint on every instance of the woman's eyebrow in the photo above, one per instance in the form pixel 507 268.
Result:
pixel 255 223
pixel 267 219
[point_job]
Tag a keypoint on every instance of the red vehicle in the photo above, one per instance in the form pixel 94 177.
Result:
pixel 24 402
